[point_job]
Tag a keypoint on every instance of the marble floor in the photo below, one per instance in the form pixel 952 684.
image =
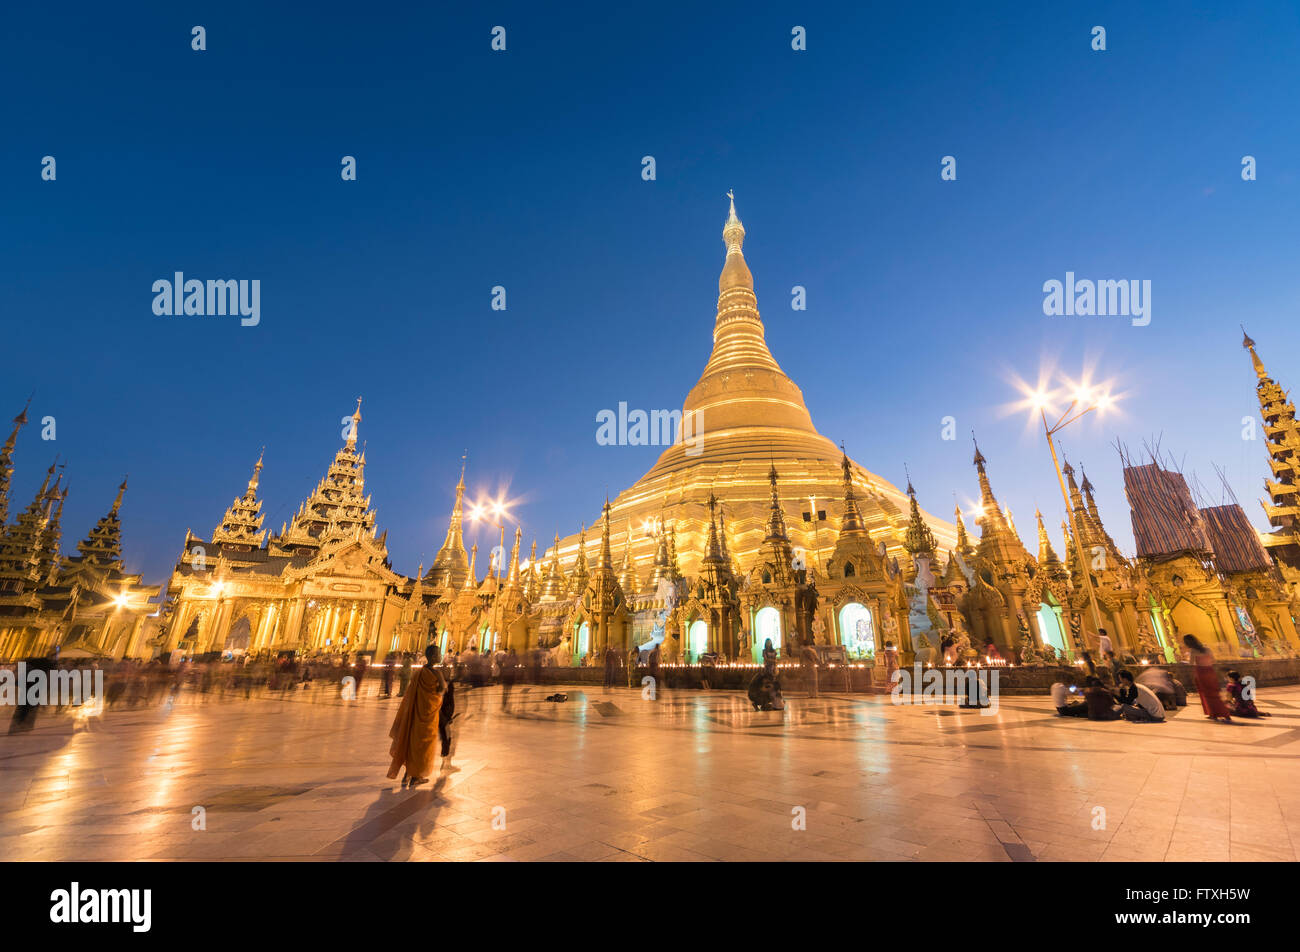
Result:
pixel 693 776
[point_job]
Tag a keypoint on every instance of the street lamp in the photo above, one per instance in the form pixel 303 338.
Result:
pixel 495 513
pixel 1089 398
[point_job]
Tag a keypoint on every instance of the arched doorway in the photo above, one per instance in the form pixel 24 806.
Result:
pixel 697 640
pixel 1049 624
pixel 857 632
pixel 582 641
pixel 238 637
pixel 767 624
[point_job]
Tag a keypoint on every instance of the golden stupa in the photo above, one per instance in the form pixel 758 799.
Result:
pixel 743 417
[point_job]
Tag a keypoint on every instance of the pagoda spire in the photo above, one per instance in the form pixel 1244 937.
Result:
pixel 513 579
pixel 964 547
pixel 471 580
pixel 7 462
pixel 852 523
pixel 713 553
pixel 627 577
pixel 918 539
pixel 48 548
pixel 776 517
pixel 578 580
pixel 1046 554
pixel 554 583
pixel 606 559
pixel 103 545
pixel 451 563
pixel 352 430
pixel 991 516
pixel 1282 440
pixel 338 510
pixel 242 523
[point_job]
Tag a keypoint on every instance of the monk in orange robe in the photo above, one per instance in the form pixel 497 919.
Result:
pixel 415 728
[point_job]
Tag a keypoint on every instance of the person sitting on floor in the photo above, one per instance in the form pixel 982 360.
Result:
pixel 1066 699
pixel 1138 703
pixel 1241 701
pixel 1170 691
pixel 1101 703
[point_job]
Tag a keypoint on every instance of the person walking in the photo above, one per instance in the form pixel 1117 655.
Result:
pixel 359 672
pixel 633 660
pixel 509 674
pixel 1207 682
pixel 416 725
pixel 810 662
pixel 653 665
pixel 389 663
pixel 404 674
pixel 611 666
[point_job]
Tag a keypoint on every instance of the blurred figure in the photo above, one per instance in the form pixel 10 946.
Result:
pixel 891 661
pixel 1167 688
pixel 810 662
pixel 769 658
pixel 404 674
pixel 389 663
pixel 24 716
pixel 415 727
pixel 1207 682
pixel 633 660
pixel 359 672
pixel 611 666
pixel 655 673
pixel 1101 703
pixel 509 673
pixel 445 717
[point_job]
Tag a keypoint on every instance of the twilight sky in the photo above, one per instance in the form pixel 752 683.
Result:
pixel 523 169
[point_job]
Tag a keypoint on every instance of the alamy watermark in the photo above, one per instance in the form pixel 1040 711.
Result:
pixel 1104 298
pixel 972 687
pixel 63 686
pixel 195 298
pixel 656 428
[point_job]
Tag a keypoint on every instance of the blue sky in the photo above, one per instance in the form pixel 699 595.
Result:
pixel 522 169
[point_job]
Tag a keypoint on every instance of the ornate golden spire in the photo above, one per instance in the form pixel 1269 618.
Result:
pixel 242 523
pixel 776 517
pixel 918 539
pixel 735 273
pixel 6 462
pixel 990 512
pixel 356 422
pixel 627 577
pixel 578 580
pixel 964 548
pixel 712 552
pixel 554 583
pixel 513 578
pixel 1249 344
pixel 471 581
pixel 1046 554
pixel 851 524
pixel 606 559
pixel 451 562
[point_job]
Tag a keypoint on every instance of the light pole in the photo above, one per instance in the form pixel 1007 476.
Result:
pixel 480 511
pixel 1071 414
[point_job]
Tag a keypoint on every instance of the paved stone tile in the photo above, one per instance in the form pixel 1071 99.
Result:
pixel 697 777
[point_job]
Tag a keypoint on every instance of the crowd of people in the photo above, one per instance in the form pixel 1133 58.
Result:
pixel 1111 691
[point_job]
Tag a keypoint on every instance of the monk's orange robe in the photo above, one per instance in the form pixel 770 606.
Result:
pixel 415 728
